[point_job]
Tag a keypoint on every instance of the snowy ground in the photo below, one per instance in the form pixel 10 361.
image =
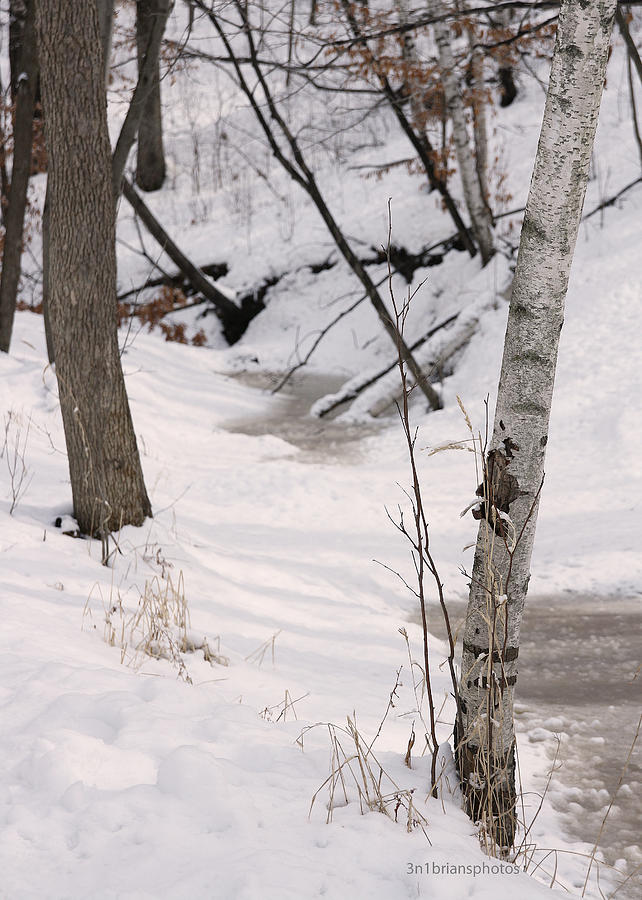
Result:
pixel 120 778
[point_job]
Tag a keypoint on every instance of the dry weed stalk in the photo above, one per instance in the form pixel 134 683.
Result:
pixel 286 704
pixel 257 656
pixel 357 768
pixel 162 617
pixel 418 533
pixel 486 802
pixel 159 627
pixel 14 447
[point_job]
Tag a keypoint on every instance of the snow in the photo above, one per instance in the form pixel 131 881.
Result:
pixel 122 779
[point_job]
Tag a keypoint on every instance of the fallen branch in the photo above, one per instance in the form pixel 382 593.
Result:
pixel 272 123
pixel 234 319
pixel 354 387
pixel 422 259
pixel 458 340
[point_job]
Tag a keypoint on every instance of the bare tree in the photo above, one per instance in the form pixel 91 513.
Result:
pixel 476 204
pixel 479 103
pixel 104 465
pixel 148 71
pixel 415 134
pixel 25 98
pixel 150 160
pixel 514 465
pixel 292 158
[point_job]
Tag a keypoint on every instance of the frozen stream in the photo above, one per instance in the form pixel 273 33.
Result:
pixel 578 662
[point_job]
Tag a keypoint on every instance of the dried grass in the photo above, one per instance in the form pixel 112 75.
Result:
pixel 159 627
pixel 355 770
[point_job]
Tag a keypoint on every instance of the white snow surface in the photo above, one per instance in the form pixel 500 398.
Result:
pixel 121 779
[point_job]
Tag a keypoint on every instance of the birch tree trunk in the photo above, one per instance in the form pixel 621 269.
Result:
pixel 478 210
pixel 411 59
pixel 104 465
pixel 515 463
pixel 480 130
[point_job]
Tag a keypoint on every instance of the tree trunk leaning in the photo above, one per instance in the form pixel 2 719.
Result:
pixel 106 477
pixel 150 158
pixel 515 462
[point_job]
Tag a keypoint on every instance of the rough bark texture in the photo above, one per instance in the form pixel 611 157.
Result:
pixel 105 9
pixel 27 83
pixel 480 217
pixel 150 161
pixel 106 477
pixel 515 464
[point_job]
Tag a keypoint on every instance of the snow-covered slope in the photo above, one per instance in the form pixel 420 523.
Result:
pixel 122 779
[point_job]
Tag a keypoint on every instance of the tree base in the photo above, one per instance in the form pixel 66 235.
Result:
pixel 490 798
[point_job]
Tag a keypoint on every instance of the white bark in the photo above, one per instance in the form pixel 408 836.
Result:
pixel 516 459
pixel 477 208
pixel 411 58
pixel 480 130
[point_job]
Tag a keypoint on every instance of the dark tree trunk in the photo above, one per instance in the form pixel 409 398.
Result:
pixel 150 161
pixel 505 68
pixel 148 71
pixel 17 19
pixel 105 24
pixel 104 465
pixel 51 356
pixel 507 85
pixel 22 145
pixel 105 9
